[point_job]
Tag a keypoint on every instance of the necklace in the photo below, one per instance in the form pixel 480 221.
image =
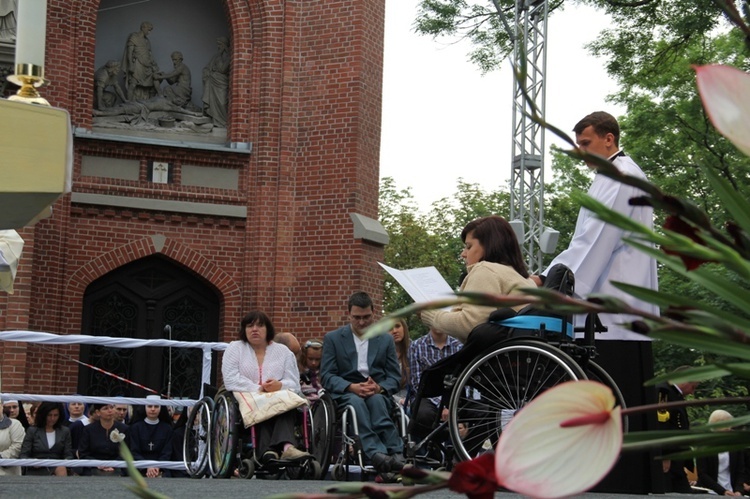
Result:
pixel 152 430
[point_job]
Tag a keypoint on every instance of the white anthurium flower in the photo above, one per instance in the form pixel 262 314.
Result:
pixel 116 436
pixel 725 92
pixel 561 444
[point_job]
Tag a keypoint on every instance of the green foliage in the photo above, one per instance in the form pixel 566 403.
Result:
pixel 477 22
pixel 668 132
pixel 432 239
pixel 560 209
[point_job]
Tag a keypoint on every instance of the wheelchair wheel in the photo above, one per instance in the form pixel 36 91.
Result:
pixel 491 389
pixel 224 436
pixel 246 469
pixel 307 470
pixel 596 372
pixel 338 473
pixel 195 444
pixel 322 425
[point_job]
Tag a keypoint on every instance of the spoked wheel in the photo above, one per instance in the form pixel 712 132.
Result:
pixel 491 389
pixel 224 436
pixel 195 445
pixel 322 424
pixel 596 372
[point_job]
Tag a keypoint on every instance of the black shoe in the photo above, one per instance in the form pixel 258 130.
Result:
pixel 397 462
pixel 381 462
pixel 269 456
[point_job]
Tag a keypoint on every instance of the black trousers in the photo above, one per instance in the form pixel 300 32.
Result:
pixel 631 364
pixel 275 432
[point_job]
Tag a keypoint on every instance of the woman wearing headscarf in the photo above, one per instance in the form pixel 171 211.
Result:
pixel 11 440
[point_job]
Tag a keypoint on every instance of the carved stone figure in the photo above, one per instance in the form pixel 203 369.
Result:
pixel 8 9
pixel 154 114
pixel 180 90
pixel 144 106
pixel 107 77
pixel 139 65
pixel 216 84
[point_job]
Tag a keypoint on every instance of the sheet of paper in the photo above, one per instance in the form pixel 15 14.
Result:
pixel 423 283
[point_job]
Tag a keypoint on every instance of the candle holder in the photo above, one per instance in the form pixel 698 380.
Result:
pixel 29 77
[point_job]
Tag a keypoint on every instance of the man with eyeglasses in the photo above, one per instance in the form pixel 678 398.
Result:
pixel 365 374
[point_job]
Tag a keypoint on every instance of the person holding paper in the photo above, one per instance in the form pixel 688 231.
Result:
pixel 494 265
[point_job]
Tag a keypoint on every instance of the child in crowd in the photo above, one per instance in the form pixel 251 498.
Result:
pixel 312 352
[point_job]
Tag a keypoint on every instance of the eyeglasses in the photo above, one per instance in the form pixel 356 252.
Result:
pixel 361 318
pixel 314 344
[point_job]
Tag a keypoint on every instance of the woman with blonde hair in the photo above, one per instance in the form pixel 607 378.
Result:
pixel 723 473
pixel 309 369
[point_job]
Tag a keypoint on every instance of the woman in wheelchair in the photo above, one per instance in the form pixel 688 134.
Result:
pixel 253 363
pixel 494 265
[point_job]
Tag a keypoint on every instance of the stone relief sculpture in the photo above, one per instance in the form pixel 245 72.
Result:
pixel 216 84
pixel 153 100
pixel 179 90
pixel 155 103
pixel 151 114
pixel 105 78
pixel 8 9
pixel 139 65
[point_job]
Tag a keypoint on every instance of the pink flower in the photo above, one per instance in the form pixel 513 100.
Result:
pixel 561 444
pixel 724 91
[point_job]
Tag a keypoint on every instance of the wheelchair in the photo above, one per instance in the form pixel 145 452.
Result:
pixel 217 443
pixel 345 438
pixel 195 444
pixel 506 363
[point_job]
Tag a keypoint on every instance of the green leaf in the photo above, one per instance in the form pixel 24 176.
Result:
pixel 732 200
pixel 704 343
pixel 701 373
pixel 727 290
pixel 665 300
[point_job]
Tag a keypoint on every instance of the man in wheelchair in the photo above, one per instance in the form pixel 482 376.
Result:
pixel 365 374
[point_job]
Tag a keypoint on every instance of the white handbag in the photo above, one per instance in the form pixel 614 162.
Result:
pixel 257 407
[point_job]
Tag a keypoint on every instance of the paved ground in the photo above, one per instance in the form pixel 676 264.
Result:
pixel 183 488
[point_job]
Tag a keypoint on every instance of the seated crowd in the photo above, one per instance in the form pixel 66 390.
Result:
pixel 52 430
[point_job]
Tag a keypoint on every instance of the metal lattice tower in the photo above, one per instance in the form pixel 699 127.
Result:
pixel 527 173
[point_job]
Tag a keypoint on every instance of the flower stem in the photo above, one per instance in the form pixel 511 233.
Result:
pixel 684 403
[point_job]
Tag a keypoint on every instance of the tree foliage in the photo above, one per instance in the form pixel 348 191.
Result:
pixel 432 239
pixel 478 22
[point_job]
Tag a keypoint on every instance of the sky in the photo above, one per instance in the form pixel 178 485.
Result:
pixel 443 120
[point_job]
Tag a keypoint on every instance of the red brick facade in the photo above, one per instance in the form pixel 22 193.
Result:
pixel 305 91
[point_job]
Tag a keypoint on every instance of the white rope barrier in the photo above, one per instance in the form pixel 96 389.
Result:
pixel 27 397
pixel 92 463
pixel 109 341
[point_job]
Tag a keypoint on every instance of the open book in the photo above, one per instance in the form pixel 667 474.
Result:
pixel 423 284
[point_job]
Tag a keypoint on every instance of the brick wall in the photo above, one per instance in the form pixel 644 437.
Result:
pixel 305 90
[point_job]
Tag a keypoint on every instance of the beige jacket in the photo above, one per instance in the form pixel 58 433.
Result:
pixel 11 439
pixel 483 277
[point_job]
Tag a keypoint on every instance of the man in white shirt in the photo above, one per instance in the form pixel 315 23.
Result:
pixel 598 256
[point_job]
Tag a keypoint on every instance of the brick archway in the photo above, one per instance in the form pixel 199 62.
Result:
pixel 223 283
